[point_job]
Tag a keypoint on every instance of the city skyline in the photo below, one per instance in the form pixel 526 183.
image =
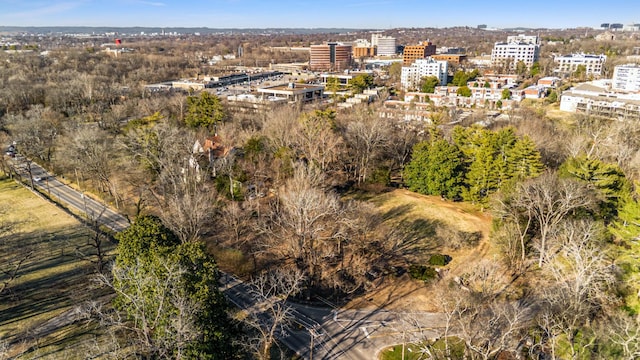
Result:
pixel 357 14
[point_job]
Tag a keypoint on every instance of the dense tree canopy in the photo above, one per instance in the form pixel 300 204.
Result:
pixel 477 163
pixel 204 111
pixel 428 84
pixel 435 169
pixel 607 178
pixel 461 78
pixel 168 291
pixel 361 82
pixel 464 91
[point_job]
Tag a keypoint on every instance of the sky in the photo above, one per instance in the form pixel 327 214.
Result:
pixel 369 14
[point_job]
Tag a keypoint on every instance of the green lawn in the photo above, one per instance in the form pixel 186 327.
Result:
pixel 437 349
pixel 53 278
pixel 411 352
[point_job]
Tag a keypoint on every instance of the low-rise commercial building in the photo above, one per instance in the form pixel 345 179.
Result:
pixel 292 92
pixel 450 58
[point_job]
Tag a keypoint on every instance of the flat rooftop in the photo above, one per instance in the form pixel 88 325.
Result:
pixel 286 87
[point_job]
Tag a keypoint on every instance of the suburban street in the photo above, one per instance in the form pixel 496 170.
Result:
pixel 68 196
pixel 341 334
pixel 320 332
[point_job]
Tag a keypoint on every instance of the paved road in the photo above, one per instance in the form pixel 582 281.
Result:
pixel 68 196
pixel 334 333
pixel 338 333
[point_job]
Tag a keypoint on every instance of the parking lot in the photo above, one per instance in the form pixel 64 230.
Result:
pixel 253 85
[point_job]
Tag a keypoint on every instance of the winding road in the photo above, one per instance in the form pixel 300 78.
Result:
pixel 321 333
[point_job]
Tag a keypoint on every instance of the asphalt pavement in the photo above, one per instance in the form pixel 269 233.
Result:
pixel 68 196
pixel 321 333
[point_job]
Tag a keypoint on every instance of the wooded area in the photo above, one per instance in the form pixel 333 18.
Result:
pixel 279 197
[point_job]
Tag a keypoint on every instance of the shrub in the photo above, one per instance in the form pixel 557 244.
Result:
pixel 380 176
pixel 439 260
pixel 422 272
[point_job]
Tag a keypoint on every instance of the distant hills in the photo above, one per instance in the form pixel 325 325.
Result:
pixel 158 30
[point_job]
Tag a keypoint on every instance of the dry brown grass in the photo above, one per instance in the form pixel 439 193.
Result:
pixel 406 207
pixel 51 282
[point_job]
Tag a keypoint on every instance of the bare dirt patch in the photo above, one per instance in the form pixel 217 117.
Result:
pixel 406 207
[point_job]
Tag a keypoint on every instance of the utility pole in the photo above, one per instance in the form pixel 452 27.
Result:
pixel 312 335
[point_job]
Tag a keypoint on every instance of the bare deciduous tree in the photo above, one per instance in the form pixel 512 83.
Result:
pixel 91 151
pixel 190 210
pixel 36 133
pixel 488 330
pixel 11 262
pixel 330 241
pixel 547 200
pixel 319 140
pixel 98 253
pixel 366 135
pixel 272 315
pixel 624 331
pixel 235 219
pixel 582 276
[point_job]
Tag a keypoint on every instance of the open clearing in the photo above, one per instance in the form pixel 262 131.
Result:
pixel 404 209
pixel 53 278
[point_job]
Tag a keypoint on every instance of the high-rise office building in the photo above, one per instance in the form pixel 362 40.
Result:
pixel 412 53
pixel 386 45
pixel 330 57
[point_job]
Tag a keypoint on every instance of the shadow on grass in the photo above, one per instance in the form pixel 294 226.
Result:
pixel 50 282
pixel 415 239
pixel 397 211
pixel 41 296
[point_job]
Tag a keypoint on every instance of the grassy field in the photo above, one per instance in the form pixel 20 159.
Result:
pixel 36 308
pixel 428 225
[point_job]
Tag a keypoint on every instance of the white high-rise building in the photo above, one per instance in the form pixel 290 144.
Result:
pixel 568 64
pixel 412 75
pixel 626 78
pixel 523 39
pixel 386 45
pixel 361 43
pixel 517 48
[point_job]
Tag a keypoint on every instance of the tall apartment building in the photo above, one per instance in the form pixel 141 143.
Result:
pixel 626 78
pixel 330 57
pixel 413 74
pixel 568 64
pixel 415 52
pixel 386 45
pixel 517 48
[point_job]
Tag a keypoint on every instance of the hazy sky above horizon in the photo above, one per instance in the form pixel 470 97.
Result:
pixel 379 14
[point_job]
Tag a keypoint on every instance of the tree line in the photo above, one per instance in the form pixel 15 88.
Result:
pixel 269 194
